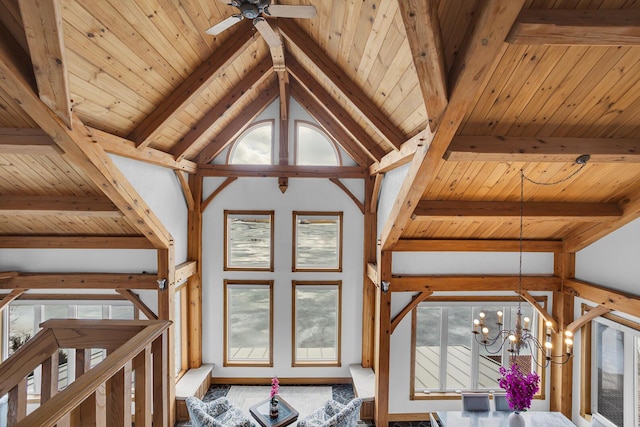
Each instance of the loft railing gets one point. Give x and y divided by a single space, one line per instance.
136 360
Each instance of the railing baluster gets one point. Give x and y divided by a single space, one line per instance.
142 368
160 386
49 381
17 406
119 397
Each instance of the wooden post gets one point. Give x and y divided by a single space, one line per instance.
368 287
194 283
166 310
561 375
383 341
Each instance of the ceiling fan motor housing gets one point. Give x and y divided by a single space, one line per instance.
251 9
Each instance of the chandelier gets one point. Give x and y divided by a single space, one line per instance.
522 336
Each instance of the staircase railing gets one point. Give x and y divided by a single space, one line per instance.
136 359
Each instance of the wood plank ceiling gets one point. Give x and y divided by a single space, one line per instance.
478 90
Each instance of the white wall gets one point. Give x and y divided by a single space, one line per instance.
388 192
613 262
264 194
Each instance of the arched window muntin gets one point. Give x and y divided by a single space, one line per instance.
263 131
302 124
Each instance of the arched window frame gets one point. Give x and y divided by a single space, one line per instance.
334 144
251 128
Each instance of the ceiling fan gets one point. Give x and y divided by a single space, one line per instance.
253 9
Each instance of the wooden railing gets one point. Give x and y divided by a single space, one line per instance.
102 396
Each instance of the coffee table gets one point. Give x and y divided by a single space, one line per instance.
286 414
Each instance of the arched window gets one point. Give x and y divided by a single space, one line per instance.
313 146
254 146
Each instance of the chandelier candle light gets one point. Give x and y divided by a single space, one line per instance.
521 335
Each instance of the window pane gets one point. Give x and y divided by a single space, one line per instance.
248 323
318 241
314 147
254 146
428 331
21 325
317 319
249 241
459 348
610 373
490 358
89 312
55 312
122 312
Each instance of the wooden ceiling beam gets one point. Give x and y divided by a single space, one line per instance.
542 149
475 62
153 125
472 283
446 210
331 112
607 297
38 142
123 147
42 22
58 205
586 234
275 171
80 150
476 245
380 121
591 27
404 155
326 121
82 281
422 26
28 141
75 242
252 80
238 124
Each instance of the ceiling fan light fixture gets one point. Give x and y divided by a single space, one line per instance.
249 10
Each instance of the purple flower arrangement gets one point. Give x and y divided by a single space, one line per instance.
275 387
520 388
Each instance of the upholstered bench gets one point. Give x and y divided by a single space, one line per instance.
364 386
195 382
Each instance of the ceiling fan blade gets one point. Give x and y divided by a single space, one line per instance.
268 34
224 24
291 11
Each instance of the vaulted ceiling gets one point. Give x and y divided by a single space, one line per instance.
466 92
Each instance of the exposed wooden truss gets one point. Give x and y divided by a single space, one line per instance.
276 171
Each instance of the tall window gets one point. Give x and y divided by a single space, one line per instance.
615 369
254 146
248 240
317 242
317 319
248 326
446 356
314 147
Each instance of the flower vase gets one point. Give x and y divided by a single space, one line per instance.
273 408
516 420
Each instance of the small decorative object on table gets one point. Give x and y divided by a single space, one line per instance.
275 388
520 390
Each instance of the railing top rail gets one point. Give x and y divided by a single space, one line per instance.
62 403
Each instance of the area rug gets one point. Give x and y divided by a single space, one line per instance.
305 399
